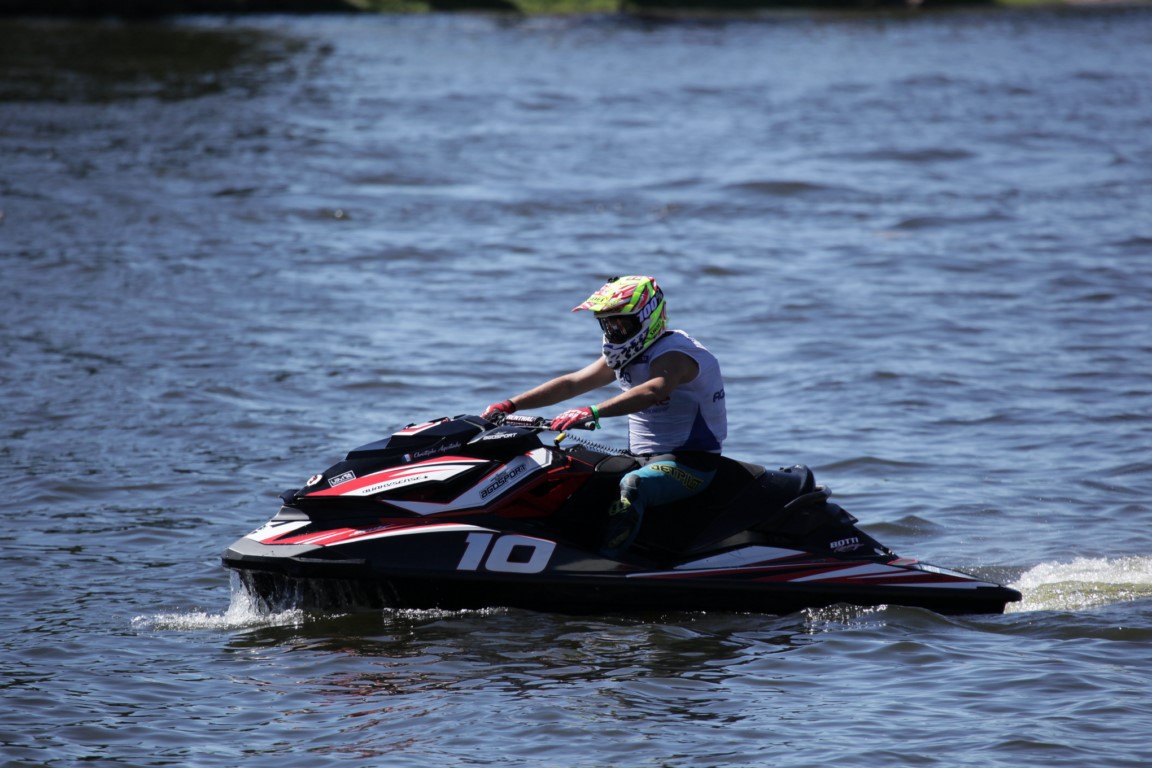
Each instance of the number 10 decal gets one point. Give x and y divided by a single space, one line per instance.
510 554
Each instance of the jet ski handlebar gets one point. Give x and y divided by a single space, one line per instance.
533 422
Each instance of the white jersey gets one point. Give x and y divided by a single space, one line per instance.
693 418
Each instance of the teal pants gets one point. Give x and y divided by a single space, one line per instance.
662 480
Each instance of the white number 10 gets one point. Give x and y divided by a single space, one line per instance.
500 557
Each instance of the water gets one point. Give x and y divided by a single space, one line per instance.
233 249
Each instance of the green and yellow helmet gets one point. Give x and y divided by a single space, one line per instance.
632 314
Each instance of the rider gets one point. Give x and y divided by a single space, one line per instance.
673 395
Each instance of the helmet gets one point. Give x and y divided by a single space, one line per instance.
633 315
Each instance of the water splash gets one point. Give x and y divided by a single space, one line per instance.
420 615
245 611
1084 583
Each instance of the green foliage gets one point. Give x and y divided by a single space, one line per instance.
568 6
532 7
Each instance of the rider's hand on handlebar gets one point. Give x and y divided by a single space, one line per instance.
583 418
505 407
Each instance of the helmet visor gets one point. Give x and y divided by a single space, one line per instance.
619 328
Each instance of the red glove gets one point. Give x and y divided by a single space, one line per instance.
505 407
577 417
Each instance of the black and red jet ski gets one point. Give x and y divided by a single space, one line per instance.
466 513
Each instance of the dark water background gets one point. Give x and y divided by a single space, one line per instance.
233 249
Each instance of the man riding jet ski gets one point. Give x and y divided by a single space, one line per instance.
502 510
672 393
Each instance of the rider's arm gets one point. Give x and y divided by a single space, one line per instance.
668 372
562 388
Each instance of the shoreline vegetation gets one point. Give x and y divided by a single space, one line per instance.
154 8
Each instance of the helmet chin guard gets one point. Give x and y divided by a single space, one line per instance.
643 318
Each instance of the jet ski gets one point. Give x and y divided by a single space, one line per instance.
466 513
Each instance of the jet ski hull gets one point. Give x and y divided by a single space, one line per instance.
748 579
603 595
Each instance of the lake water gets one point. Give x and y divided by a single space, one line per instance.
233 249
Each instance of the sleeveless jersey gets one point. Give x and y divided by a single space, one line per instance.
693 418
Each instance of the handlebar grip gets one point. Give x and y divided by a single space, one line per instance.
538 422
588 424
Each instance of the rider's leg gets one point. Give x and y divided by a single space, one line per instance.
662 480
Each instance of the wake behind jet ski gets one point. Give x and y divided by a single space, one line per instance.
463 512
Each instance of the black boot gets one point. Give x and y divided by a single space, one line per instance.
624 519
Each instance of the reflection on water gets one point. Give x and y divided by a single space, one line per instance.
496 638
92 61
660 671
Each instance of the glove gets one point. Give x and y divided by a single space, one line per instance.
576 417
505 407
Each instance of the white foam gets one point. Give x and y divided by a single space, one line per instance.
244 611
432 614
1084 583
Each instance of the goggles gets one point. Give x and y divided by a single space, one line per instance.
619 328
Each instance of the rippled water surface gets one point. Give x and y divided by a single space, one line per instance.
233 249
